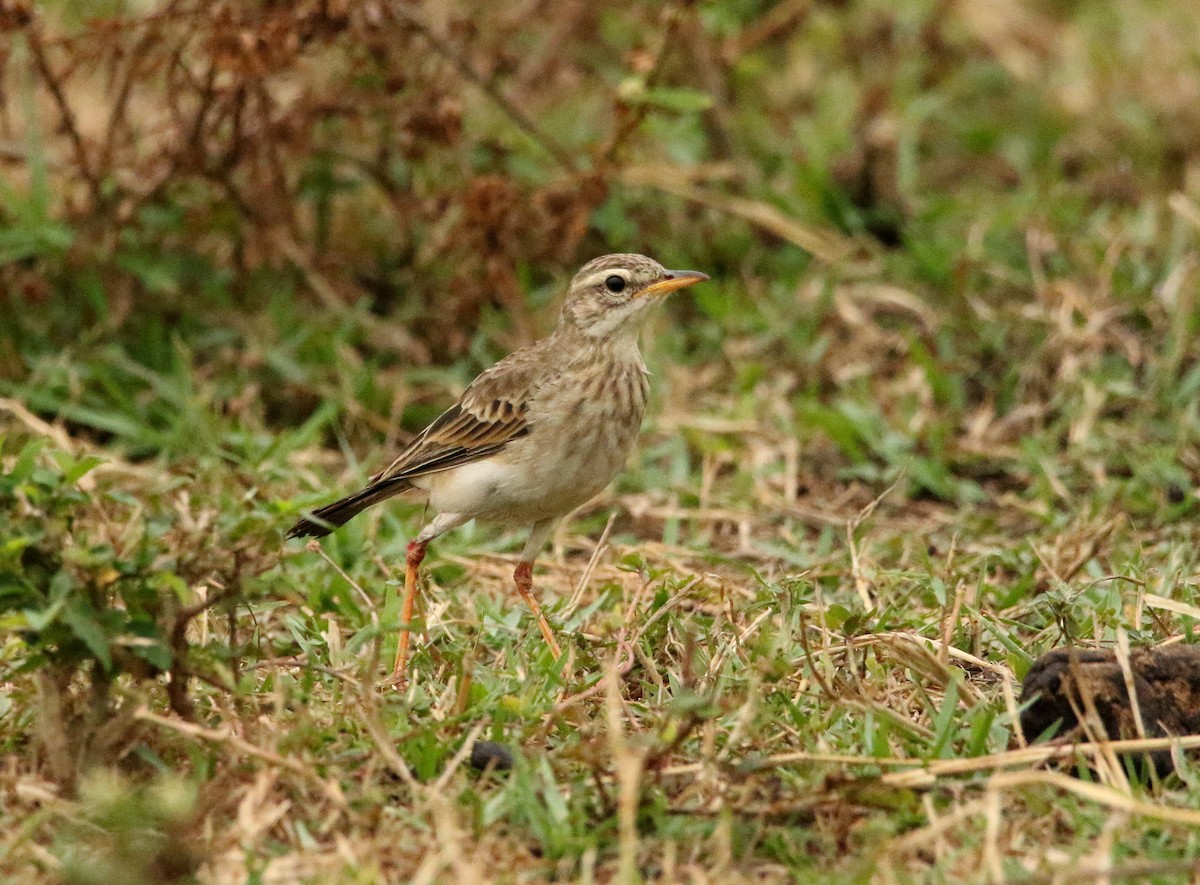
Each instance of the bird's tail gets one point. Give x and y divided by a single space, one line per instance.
329 517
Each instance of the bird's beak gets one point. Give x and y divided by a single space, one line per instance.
674 279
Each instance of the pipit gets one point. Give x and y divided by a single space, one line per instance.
534 436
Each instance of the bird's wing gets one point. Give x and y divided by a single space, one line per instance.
489 415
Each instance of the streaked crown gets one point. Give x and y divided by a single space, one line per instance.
610 295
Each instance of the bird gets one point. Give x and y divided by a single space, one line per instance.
534 436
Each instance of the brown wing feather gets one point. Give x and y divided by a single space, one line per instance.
489 415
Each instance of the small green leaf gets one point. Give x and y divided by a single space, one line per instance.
84 625
81 468
690 704
157 654
17 544
26 461
169 582
120 497
45 238
38 620
837 615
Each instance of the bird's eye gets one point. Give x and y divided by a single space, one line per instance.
615 283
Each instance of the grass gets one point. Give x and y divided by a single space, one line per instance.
935 414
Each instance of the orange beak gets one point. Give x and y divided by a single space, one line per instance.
674 279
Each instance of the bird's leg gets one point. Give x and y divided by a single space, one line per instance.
443 522
523 577
412 563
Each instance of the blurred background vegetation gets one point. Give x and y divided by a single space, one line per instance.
244 245
191 187
942 230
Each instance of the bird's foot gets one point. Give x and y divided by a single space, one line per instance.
523 577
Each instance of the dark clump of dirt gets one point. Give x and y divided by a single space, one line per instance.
1067 684
489 755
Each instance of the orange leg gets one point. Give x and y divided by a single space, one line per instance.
524 579
412 562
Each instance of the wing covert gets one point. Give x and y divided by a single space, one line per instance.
489 415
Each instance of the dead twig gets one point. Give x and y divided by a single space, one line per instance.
518 116
53 81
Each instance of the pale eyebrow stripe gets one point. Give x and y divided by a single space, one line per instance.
602 275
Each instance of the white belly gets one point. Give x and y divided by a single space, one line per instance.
528 482
580 438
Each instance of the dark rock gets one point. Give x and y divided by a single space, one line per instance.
1165 680
489 754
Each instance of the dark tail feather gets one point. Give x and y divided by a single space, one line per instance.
338 513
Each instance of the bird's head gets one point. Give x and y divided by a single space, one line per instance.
611 296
